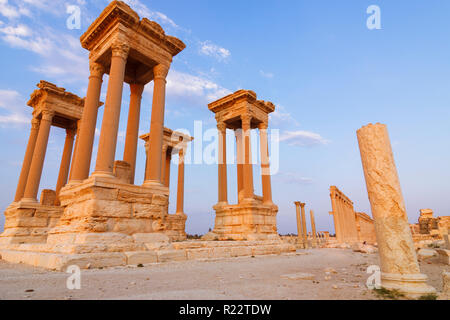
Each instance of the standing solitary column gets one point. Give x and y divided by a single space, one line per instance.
37 163
223 184
157 124
81 162
265 165
131 142
313 228
305 239
399 266
180 187
110 124
248 167
65 162
27 160
299 221
240 163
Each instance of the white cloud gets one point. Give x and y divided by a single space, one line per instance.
302 138
183 85
8 11
267 75
282 117
293 178
210 49
12 102
20 31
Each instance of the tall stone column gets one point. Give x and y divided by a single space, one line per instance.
110 124
167 170
65 162
81 162
77 140
313 227
299 222
27 160
157 125
304 231
248 166
163 163
37 163
132 135
399 266
180 186
265 165
223 184
239 163
337 223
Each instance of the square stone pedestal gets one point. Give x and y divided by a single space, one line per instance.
29 222
245 221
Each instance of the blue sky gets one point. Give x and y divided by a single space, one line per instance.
317 61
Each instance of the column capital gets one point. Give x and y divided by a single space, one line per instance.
47 115
120 49
263 126
164 147
246 121
35 123
96 69
302 205
221 126
160 71
70 132
137 89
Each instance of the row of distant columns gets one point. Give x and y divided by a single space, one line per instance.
33 163
301 224
244 162
110 123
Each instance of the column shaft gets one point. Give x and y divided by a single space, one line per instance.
248 166
81 162
111 115
299 221
240 164
27 160
313 227
132 135
304 229
180 186
157 124
37 163
265 166
399 266
163 164
65 162
167 170
223 185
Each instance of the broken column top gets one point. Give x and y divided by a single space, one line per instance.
149 45
426 213
67 107
230 108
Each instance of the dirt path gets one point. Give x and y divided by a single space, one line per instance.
237 278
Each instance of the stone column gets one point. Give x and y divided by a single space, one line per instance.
265 165
305 240
65 162
299 221
110 124
163 163
399 266
37 163
167 170
223 184
81 162
157 125
239 163
132 135
337 226
77 139
27 160
313 228
180 186
248 166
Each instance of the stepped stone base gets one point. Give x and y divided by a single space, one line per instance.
138 249
245 221
29 222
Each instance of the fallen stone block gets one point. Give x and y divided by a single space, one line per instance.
171 255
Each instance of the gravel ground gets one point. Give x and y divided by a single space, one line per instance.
256 278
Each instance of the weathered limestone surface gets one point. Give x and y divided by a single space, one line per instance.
399 266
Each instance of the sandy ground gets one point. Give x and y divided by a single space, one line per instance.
237 278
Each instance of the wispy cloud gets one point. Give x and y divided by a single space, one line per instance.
293 178
267 75
13 108
281 117
302 138
210 49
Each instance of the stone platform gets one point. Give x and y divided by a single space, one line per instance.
140 249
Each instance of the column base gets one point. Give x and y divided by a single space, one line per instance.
153 183
412 285
28 200
105 174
